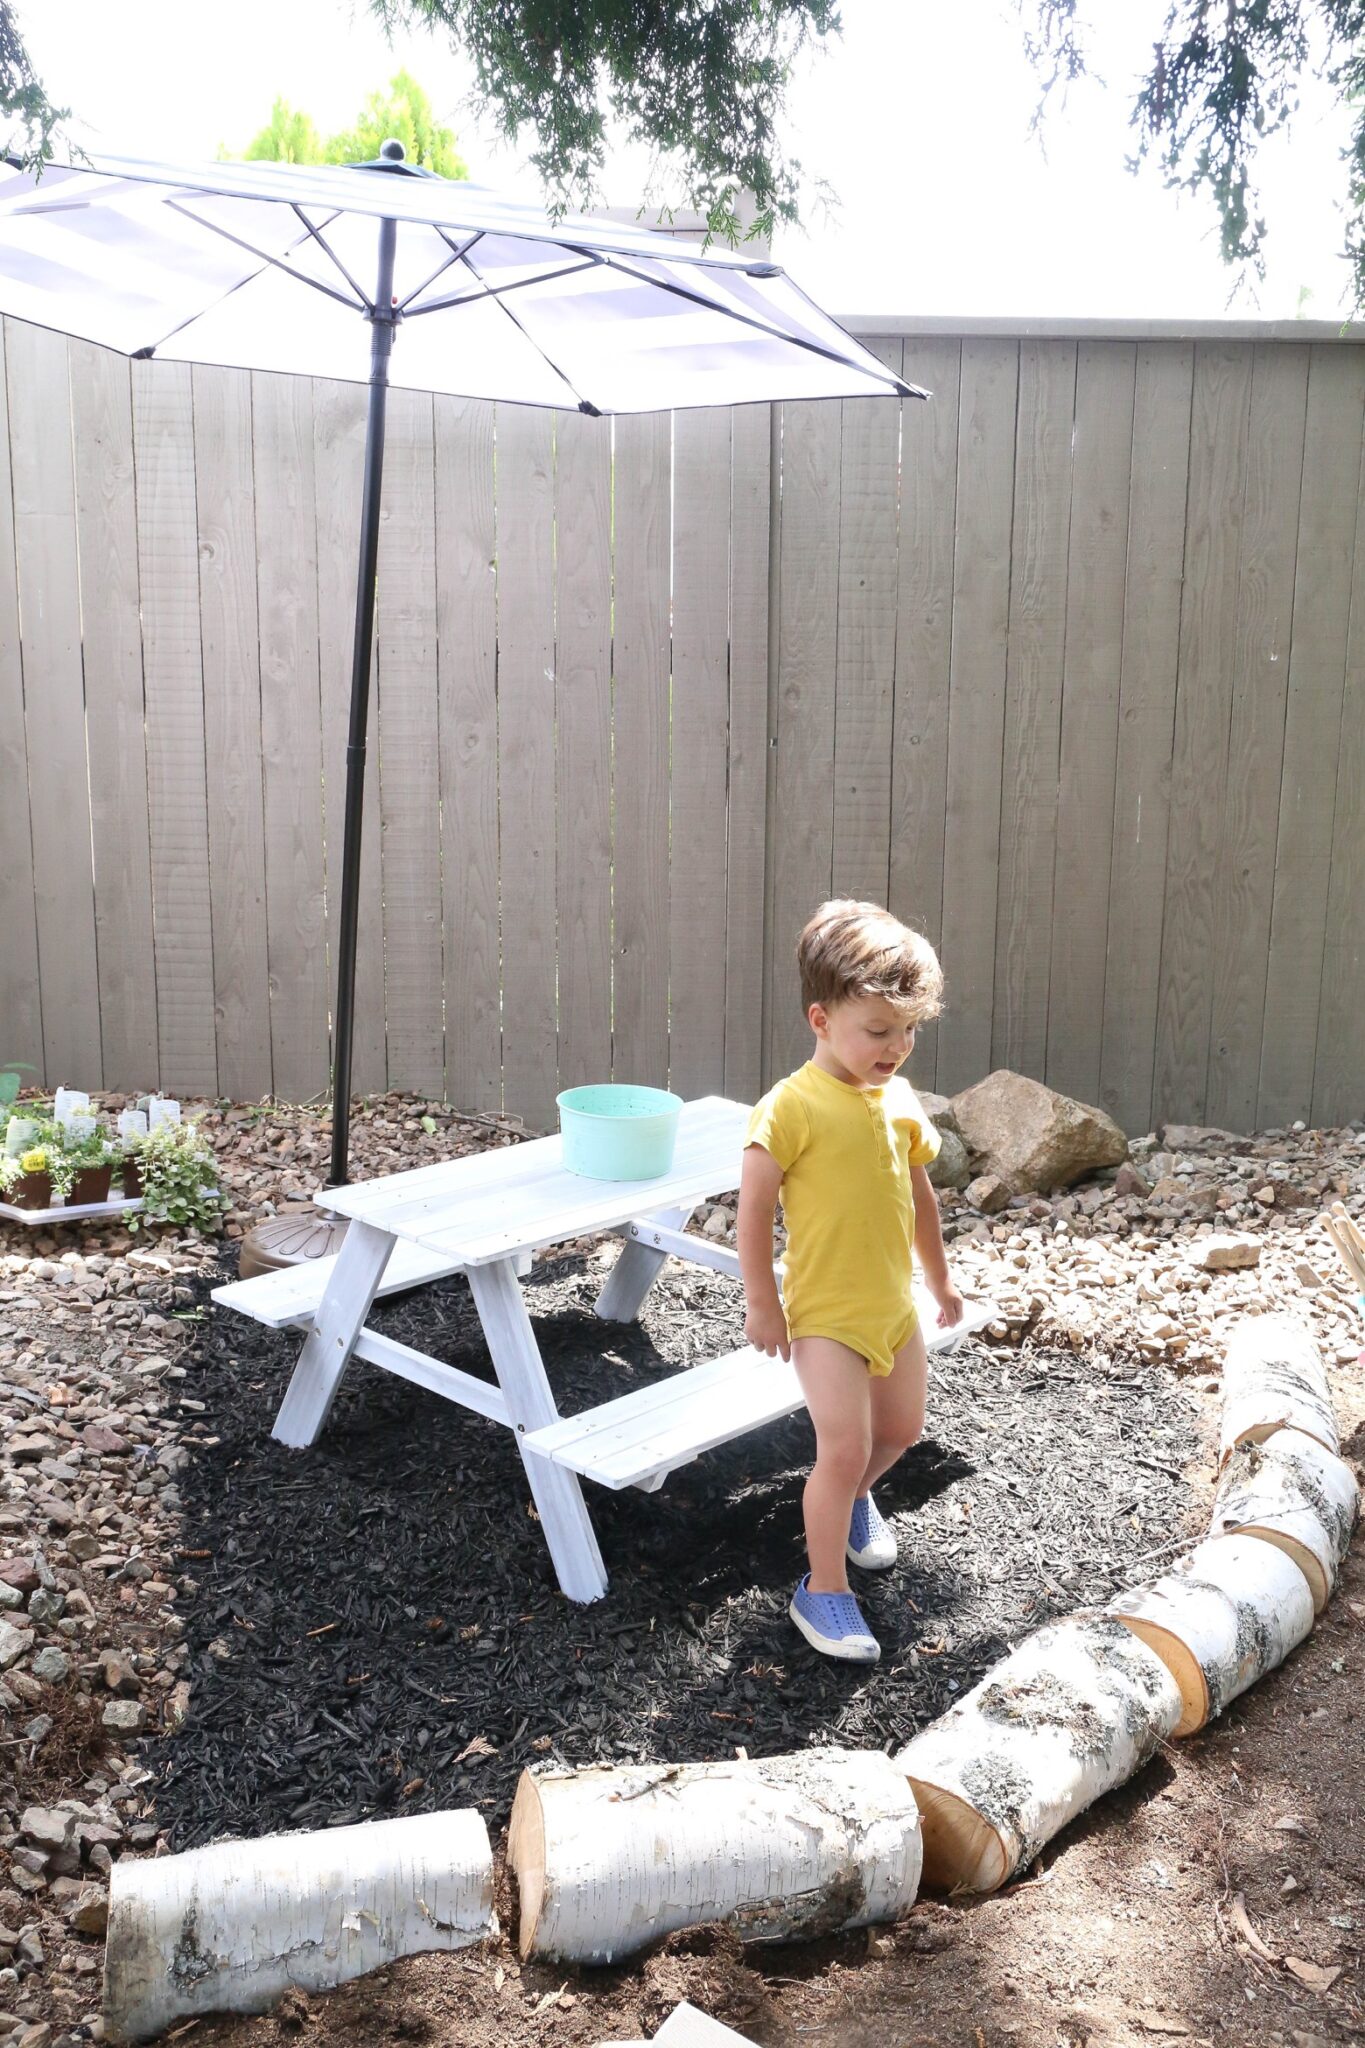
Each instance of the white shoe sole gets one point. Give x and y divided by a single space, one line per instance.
847 1650
876 1558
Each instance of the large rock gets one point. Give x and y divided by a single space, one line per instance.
952 1168
1030 1137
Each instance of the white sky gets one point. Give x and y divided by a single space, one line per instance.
918 118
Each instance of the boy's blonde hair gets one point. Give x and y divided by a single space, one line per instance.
858 949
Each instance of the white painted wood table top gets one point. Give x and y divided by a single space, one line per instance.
491 1205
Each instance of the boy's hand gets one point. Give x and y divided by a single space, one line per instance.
950 1303
766 1330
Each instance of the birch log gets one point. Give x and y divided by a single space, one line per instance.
609 1860
231 1927
1075 1710
1273 1378
1225 1616
1291 1492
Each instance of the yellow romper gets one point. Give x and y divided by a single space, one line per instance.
846 1155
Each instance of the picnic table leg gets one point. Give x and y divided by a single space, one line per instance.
521 1375
327 1349
635 1272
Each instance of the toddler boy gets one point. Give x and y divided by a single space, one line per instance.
845 1144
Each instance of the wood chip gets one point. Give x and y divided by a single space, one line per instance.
1240 1923
1316 1976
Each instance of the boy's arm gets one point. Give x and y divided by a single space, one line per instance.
929 1248
765 1325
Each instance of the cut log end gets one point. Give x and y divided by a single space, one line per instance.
960 1848
526 1859
1183 1666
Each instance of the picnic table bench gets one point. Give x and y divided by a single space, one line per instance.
483 1216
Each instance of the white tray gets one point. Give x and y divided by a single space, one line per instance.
60 1213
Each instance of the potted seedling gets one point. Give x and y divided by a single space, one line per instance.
33 1179
93 1158
179 1179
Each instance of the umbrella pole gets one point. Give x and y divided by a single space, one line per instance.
382 324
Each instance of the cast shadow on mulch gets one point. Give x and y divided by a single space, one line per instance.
375 1626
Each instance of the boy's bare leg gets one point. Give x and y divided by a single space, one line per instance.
834 1381
897 1403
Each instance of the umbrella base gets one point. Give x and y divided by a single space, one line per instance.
290 1239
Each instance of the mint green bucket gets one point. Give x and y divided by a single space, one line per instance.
616 1132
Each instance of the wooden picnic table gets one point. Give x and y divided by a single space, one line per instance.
484 1215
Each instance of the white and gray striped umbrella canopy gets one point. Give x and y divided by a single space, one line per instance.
266 266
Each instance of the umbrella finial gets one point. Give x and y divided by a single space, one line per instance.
393 150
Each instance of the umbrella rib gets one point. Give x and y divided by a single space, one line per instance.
493 291
454 257
330 252
897 385
251 250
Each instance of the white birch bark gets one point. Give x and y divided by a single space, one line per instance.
1226 1615
1273 1378
1291 1492
231 1927
1075 1710
608 1860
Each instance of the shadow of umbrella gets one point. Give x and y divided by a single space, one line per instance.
385 273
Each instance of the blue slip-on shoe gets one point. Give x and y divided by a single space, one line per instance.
833 1624
871 1541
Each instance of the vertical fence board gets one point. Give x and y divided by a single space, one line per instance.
526 696
1246 867
409 753
1338 1085
865 652
1033 703
58 774
231 644
701 630
338 469
1208 633
641 541
111 630
467 630
1312 735
976 702
20 995
808 612
163 441
291 736
745 871
1101 481
924 637
583 745
1147 691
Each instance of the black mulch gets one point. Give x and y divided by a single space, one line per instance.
375 1626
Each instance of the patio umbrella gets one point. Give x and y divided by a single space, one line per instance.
322 270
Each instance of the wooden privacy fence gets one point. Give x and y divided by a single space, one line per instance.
1066 665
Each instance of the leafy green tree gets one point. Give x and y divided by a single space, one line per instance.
288 138
1223 78
702 83
23 103
405 112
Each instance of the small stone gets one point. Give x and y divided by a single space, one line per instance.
47 1827
52 1666
38 1729
90 1914
1264 1195
987 1193
124 1717
1128 1181
82 1545
39 2036
20 1573
1307 1276
10 1598
117 1673
44 1606
1225 1254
